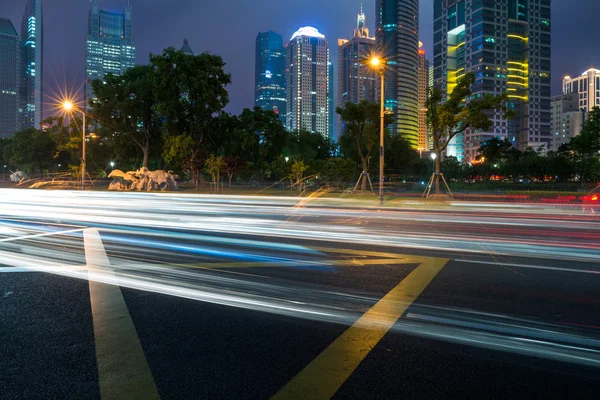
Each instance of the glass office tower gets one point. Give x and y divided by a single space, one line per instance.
110 47
9 85
307 82
269 75
32 62
397 41
507 46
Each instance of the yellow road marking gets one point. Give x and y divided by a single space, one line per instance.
325 374
123 372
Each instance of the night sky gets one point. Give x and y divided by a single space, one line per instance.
229 27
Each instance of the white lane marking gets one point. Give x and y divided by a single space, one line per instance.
123 372
583 271
40 235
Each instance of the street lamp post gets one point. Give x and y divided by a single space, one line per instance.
68 106
378 65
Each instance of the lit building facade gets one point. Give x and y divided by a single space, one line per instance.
423 90
356 80
31 65
9 83
307 82
567 119
331 102
586 87
506 44
397 41
269 78
110 48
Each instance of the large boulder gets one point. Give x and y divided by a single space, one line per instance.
143 179
17 176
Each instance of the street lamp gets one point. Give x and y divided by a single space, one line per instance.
112 164
378 64
69 106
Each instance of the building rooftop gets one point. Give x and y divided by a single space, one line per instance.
308 31
7 28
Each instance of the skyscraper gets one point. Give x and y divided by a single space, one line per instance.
32 62
356 81
269 78
110 48
331 102
397 40
9 86
507 46
307 82
423 89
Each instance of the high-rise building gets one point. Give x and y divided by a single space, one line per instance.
32 65
567 118
331 102
397 41
307 82
423 90
269 78
9 84
356 80
586 87
506 44
110 48
186 48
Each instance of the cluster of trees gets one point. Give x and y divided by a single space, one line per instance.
578 160
170 114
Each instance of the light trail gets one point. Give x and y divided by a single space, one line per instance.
146 234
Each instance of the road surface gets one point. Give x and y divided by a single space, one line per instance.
129 295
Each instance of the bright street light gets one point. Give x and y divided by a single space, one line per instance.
112 164
433 156
68 106
378 64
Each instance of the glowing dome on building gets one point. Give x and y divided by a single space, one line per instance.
308 31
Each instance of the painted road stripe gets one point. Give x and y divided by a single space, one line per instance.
581 271
326 373
123 372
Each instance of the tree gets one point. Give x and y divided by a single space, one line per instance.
127 108
31 150
495 150
362 124
233 165
308 146
214 167
191 95
457 114
588 141
400 157
453 168
298 169
262 138
339 170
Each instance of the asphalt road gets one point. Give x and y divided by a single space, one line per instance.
142 296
